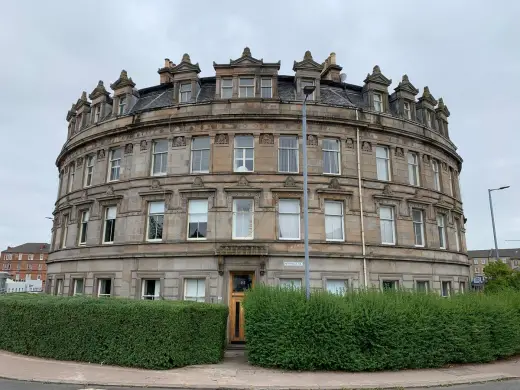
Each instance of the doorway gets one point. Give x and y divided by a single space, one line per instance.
239 282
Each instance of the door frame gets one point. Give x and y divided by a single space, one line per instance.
237 297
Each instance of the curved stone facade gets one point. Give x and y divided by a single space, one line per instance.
168 190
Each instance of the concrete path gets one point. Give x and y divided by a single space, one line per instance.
236 373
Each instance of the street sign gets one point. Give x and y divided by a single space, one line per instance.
293 263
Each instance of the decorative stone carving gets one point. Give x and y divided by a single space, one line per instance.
266 139
349 143
243 182
110 191
444 166
312 140
289 182
101 154
66 170
334 184
426 159
197 182
144 145
179 141
84 195
129 148
387 190
399 152
155 185
79 162
242 250
222 139
367 146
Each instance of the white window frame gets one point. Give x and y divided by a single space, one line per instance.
41 256
308 83
83 227
121 105
336 291
436 175
378 102
280 201
288 151
97 113
418 224
329 217
386 161
407 108
441 228
413 169
483 261
247 88
266 84
226 87
201 151
100 284
59 286
65 231
295 283
241 151
157 289
75 286
391 221
40 267
201 282
426 284
475 261
20 256
89 170
105 223
185 95
162 155
457 234
447 293
30 257
190 215
72 174
237 215
114 164
334 153
153 215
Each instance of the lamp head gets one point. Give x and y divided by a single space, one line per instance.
308 89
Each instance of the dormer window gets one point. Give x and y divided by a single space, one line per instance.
308 83
97 113
378 102
185 92
246 87
122 105
407 110
227 88
267 88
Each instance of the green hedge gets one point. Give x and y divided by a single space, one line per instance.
371 331
124 332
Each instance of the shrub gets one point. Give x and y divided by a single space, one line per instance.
369 331
124 332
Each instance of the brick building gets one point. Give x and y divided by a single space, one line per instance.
26 261
478 259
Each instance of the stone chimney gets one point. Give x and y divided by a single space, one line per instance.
331 70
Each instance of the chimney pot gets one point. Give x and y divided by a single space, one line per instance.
333 58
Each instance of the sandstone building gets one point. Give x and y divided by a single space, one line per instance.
192 189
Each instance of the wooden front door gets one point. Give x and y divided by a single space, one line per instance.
239 282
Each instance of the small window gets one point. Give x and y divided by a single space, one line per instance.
227 88
185 92
483 261
150 289
243 219
30 257
72 174
114 165
383 163
407 110
197 219
389 285
246 87
39 277
104 287
29 267
413 169
441 227
200 155
288 154
291 283
40 267
83 227
436 175
267 88
155 221
97 113
308 83
195 290
386 218
334 229
122 105
244 153
89 170
418 226
457 234
109 227
20 256
18 267
445 288
378 102
338 287
475 261
77 286
159 157
41 256
331 156
289 219
422 286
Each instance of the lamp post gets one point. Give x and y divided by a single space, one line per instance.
308 90
493 217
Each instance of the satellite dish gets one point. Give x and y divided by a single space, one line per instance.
343 77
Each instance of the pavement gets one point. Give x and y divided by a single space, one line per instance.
235 373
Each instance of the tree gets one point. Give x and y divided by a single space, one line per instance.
500 277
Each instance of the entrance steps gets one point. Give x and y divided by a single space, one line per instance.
237 351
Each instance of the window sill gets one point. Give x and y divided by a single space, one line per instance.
343 240
107 242
388 243
197 239
154 240
112 181
159 174
289 173
242 238
198 172
331 174
289 239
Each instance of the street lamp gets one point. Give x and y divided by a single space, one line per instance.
493 217
307 90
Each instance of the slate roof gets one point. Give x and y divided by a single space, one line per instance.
512 253
336 94
30 247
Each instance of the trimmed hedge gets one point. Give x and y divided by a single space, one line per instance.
369 331
123 332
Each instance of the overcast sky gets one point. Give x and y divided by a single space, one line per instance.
467 52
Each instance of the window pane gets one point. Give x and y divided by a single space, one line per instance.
156 207
334 208
227 82
246 81
288 142
289 206
337 286
417 215
200 143
385 213
198 206
244 141
111 213
291 283
161 146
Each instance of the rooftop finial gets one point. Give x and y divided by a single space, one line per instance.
84 96
426 92
441 103
100 83
405 78
186 58
124 75
376 69
308 55
246 52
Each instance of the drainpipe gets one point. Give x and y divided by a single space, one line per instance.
361 216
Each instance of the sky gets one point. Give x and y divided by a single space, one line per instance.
467 52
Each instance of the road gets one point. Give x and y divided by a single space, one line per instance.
15 385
